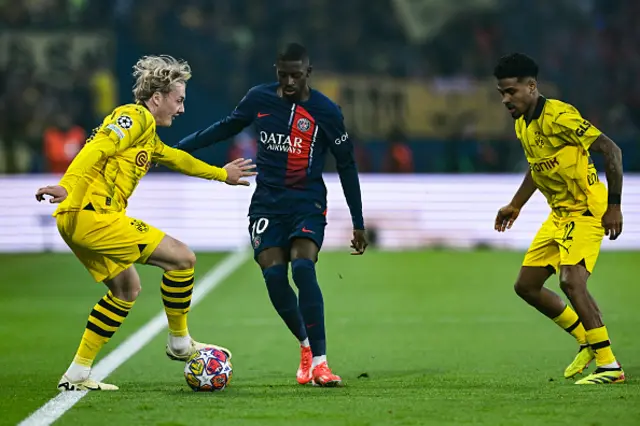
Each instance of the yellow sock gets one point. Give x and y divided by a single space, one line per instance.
598 339
105 318
570 322
176 288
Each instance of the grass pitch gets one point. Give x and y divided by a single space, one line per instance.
431 337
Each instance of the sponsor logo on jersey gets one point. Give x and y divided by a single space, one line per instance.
544 166
341 139
142 159
281 143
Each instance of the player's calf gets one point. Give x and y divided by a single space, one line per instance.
178 262
284 299
573 281
105 319
311 303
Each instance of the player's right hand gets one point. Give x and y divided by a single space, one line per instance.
359 242
238 169
57 193
505 217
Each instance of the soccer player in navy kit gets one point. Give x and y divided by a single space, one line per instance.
287 216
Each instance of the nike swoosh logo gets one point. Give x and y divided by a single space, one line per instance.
307 231
261 115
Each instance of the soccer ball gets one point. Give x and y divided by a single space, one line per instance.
208 370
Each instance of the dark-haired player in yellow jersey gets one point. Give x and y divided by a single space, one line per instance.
557 142
91 218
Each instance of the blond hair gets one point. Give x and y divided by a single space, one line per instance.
158 74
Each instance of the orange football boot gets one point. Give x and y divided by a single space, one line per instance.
304 374
322 376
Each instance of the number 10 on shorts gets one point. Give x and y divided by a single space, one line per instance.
258 227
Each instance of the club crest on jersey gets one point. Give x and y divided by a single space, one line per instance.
303 124
539 140
256 242
139 226
125 122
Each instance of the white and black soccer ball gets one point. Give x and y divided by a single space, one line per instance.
208 370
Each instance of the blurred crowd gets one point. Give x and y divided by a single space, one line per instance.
590 49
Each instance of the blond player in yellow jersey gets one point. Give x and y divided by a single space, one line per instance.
557 142
91 217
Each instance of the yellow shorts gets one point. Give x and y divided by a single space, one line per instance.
566 241
107 243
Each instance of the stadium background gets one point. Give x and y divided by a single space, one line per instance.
435 146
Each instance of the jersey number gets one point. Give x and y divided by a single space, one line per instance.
568 231
259 226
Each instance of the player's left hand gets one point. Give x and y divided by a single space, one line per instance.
612 222
58 193
359 243
238 169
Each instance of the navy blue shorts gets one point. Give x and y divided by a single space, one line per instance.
278 231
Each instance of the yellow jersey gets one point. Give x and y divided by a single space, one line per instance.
556 143
116 156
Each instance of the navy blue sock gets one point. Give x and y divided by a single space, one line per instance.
284 299
311 303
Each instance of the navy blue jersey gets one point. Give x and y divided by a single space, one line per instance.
293 140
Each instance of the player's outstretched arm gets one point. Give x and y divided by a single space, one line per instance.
612 219
342 149
509 213
180 161
224 129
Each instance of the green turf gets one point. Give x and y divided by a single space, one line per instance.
439 335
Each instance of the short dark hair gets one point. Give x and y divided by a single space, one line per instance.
293 52
516 65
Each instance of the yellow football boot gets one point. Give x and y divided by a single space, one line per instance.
580 362
603 376
66 385
193 348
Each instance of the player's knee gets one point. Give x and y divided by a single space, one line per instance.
126 288
304 248
301 268
275 275
277 281
571 285
134 291
126 285
524 290
185 259
189 260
